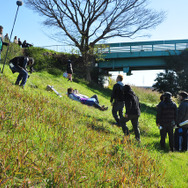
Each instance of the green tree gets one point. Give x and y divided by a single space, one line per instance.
167 82
83 23
176 76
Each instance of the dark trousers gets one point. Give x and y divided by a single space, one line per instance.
185 139
134 121
163 132
22 77
117 108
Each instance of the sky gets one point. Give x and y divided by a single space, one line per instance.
29 27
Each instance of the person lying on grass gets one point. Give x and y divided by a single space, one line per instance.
92 101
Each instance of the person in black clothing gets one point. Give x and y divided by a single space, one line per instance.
25 44
19 42
183 116
19 64
117 99
69 70
132 113
166 119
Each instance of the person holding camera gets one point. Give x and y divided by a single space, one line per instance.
19 64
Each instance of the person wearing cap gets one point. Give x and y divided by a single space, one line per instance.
161 100
1 40
69 70
183 116
19 64
166 119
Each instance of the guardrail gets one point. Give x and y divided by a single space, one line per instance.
144 46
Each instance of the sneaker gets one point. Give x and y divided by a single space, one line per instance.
103 108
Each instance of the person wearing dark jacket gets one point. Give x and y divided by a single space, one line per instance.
132 113
69 70
117 99
182 117
166 119
19 64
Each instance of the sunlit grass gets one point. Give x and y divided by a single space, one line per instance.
48 141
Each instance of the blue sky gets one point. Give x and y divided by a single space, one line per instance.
29 27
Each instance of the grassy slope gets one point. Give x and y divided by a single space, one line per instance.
47 140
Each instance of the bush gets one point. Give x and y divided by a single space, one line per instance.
14 50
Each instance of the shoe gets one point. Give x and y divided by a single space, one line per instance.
103 108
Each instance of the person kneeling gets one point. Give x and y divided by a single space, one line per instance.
19 64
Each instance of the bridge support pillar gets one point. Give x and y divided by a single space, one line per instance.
127 71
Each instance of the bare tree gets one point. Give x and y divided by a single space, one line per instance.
86 22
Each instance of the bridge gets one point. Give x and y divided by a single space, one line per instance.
130 56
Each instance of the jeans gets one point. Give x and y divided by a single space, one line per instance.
96 102
23 75
117 108
95 97
134 121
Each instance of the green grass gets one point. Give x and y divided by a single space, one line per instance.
48 141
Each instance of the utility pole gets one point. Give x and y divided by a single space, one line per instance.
19 3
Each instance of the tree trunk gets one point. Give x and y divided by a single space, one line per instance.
88 74
88 65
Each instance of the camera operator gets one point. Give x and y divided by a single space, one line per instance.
19 64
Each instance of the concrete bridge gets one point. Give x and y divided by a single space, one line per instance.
139 55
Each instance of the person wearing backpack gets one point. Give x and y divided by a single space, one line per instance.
132 113
117 99
166 119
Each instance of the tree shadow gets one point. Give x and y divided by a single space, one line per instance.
100 128
155 145
150 134
148 109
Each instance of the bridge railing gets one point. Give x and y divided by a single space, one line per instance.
144 46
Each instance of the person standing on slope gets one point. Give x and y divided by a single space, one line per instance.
166 119
182 117
117 99
1 40
132 113
69 70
